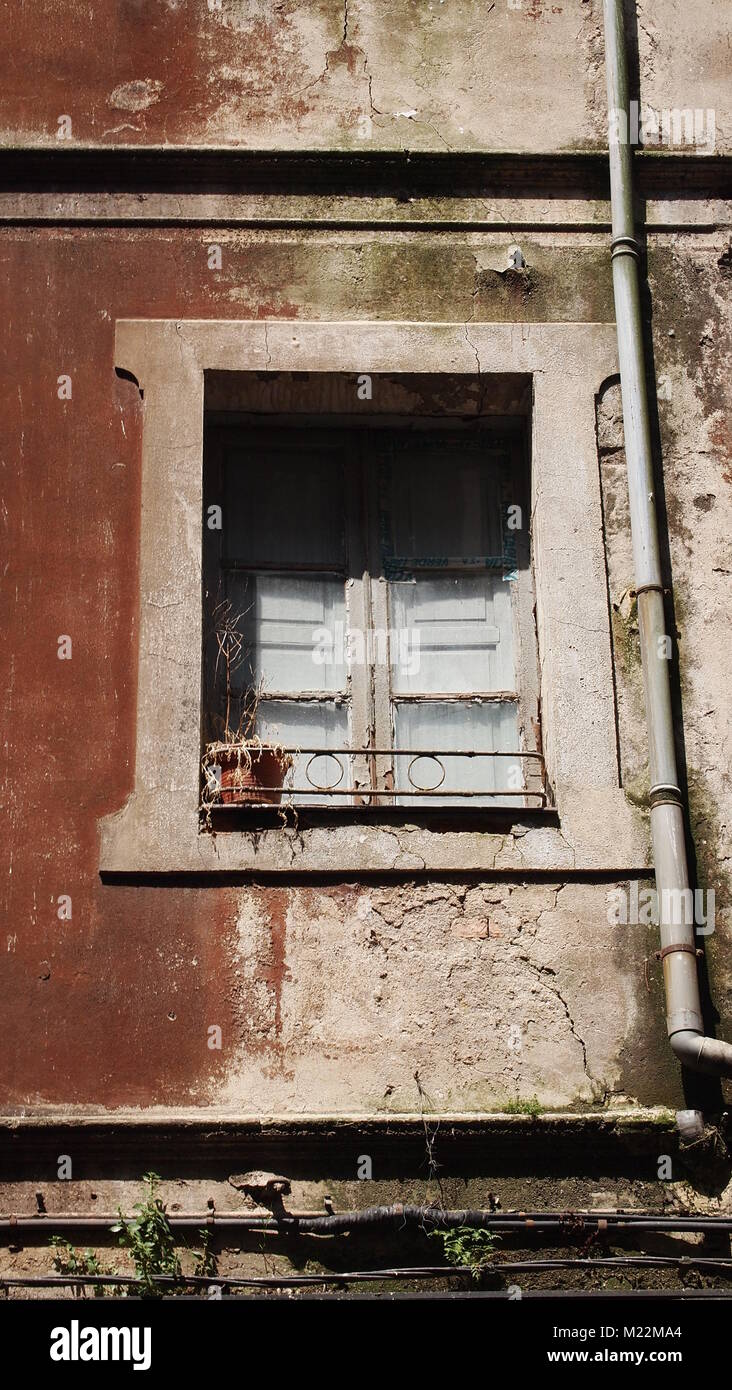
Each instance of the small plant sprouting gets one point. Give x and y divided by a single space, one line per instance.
68 1260
468 1247
529 1106
206 1266
150 1241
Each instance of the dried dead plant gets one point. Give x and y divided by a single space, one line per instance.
239 720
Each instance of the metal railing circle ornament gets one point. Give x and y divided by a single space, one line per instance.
427 758
325 786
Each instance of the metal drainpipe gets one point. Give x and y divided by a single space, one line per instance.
678 953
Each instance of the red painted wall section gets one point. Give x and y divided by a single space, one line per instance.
113 1006
167 71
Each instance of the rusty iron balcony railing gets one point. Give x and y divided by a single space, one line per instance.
533 793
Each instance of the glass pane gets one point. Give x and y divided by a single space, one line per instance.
438 506
451 634
478 726
293 627
313 724
284 505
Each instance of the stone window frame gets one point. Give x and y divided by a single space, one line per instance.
158 831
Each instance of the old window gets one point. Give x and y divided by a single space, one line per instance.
380 581
207 385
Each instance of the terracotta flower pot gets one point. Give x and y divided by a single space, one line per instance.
251 775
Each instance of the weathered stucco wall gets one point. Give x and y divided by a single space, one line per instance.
420 74
369 994
692 338
330 998
475 993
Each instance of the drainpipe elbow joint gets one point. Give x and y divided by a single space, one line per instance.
701 1053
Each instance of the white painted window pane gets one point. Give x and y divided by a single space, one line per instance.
290 622
451 634
478 726
284 506
316 724
439 506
